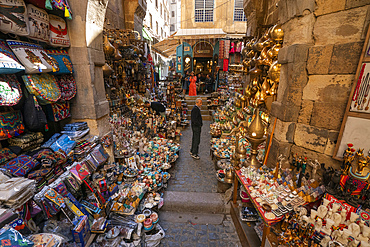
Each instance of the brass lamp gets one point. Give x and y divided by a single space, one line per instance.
255 136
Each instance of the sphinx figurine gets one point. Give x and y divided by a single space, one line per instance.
362 161
334 183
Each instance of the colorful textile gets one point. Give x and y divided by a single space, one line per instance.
59 111
38 23
67 86
58 32
360 184
9 63
21 165
225 65
61 5
32 56
62 60
45 154
10 124
43 86
13 17
6 154
10 90
39 173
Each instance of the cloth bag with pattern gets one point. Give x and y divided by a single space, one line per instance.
58 32
67 86
63 60
21 165
11 124
10 90
13 17
43 86
38 23
9 63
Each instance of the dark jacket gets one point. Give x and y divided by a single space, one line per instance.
157 107
196 117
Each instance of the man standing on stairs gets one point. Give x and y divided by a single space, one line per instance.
196 126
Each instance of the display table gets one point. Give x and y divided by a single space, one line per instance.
238 178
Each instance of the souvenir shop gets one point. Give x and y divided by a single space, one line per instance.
300 201
58 185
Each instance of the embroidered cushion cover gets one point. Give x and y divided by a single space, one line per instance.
9 63
32 56
11 124
67 86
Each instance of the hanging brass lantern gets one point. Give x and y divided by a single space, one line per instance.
107 70
256 128
266 86
273 89
250 54
277 33
117 55
267 61
244 52
274 71
274 51
255 71
108 47
263 54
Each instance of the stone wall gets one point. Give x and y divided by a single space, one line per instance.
322 45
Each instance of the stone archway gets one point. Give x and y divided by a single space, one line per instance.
87 55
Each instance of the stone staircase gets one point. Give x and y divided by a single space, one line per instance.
190 101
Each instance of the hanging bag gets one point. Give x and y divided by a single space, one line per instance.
67 86
9 63
10 90
38 23
61 5
13 17
34 116
11 124
43 86
58 32
62 59
58 111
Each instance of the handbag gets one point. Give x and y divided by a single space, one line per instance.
67 86
58 111
11 124
61 5
63 60
58 32
38 23
34 116
21 165
32 56
43 86
9 63
10 90
14 14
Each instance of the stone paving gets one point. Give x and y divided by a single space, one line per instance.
191 175
200 235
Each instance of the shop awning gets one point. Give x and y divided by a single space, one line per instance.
146 35
200 33
167 47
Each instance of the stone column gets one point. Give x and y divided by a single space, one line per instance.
86 51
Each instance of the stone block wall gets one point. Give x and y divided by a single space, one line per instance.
322 46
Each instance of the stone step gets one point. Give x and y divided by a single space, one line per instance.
194 202
190 107
205 116
203 97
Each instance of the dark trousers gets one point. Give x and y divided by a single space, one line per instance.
196 140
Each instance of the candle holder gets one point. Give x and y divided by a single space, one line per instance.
254 150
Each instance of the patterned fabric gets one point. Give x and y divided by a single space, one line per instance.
10 90
13 17
45 154
26 138
38 23
61 189
59 5
67 86
60 111
39 173
21 165
60 157
99 155
360 184
9 63
58 32
63 61
32 56
10 124
6 154
43 86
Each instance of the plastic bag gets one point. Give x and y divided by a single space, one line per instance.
155 239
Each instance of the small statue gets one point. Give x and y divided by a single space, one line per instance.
304 165
362 161
348 157
299 163
327 174
294 160
334 183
